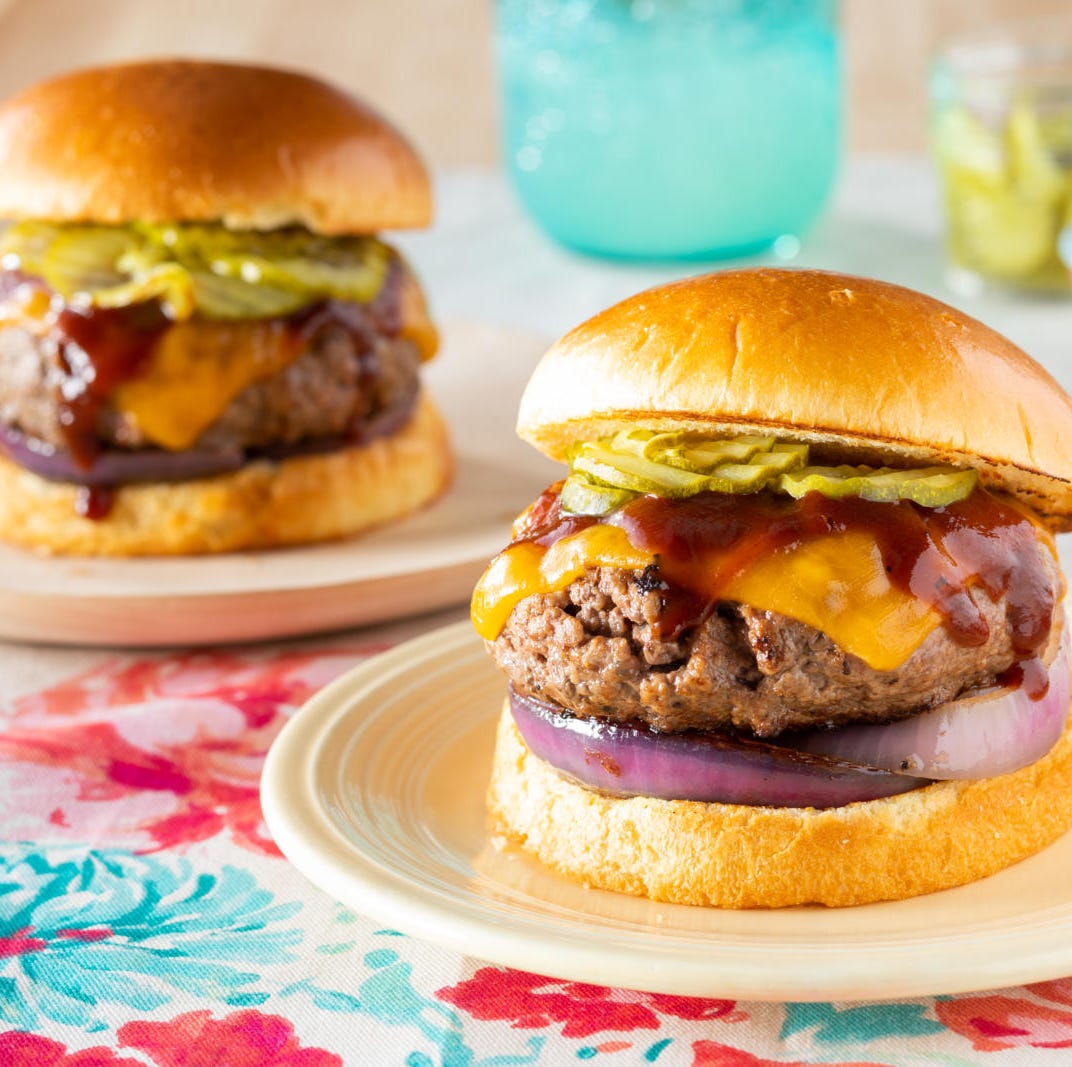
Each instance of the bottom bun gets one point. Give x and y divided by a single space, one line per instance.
730 856
266 503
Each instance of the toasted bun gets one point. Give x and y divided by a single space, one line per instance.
864 370
184 140
265 504
729 856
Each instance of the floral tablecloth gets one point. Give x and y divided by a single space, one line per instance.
146 917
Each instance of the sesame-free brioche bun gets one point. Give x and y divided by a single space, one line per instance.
189 140
863 370
730 856
264 504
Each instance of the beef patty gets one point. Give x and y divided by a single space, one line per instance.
592 648
340 379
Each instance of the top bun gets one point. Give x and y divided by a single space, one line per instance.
863 370
185 140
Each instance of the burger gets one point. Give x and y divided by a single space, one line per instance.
790 631
204 345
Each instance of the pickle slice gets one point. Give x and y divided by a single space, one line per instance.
83 258
182 292
1007 186
580 496
169 283
969 150
740 478
624 470
661 464
709 455
1003 233
306 276
1031 162
607 473
932 487
218 297
687 451
191 268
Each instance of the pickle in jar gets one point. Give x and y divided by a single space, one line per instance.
1008 191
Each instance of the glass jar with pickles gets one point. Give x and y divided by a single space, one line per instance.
1002 135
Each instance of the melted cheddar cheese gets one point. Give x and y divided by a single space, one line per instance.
836 583
198 367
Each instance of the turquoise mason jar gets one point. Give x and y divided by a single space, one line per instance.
655 129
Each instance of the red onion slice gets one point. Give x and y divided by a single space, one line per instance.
634 761
112 466
991 733
115 467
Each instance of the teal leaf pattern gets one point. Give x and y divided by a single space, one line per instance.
83 928
859 1024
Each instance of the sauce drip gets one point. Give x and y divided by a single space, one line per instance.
94 501
1031 673
96 350
939 555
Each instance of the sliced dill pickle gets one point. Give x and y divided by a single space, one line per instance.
635 442
71 259
621 462
782 457
660 444
936 487
638 475
22 242
706 456
929 486
355 282
691 453
83 259
1002 233
1006 185
220 273
607 473
739 478
1031 161
229 298
583 497
169 283
970 152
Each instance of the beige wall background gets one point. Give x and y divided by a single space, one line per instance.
428 63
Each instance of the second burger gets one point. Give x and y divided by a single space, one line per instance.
204 345
791 630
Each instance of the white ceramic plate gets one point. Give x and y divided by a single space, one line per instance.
375 791
420 564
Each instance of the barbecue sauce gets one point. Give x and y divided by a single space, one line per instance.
96 350
94 501
941 556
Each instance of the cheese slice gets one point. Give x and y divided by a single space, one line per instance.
836 583
417 325
526 569
199 366
196 369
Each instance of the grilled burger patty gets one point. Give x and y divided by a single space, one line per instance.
592 649
340 379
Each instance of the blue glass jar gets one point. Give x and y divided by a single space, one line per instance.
670 128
